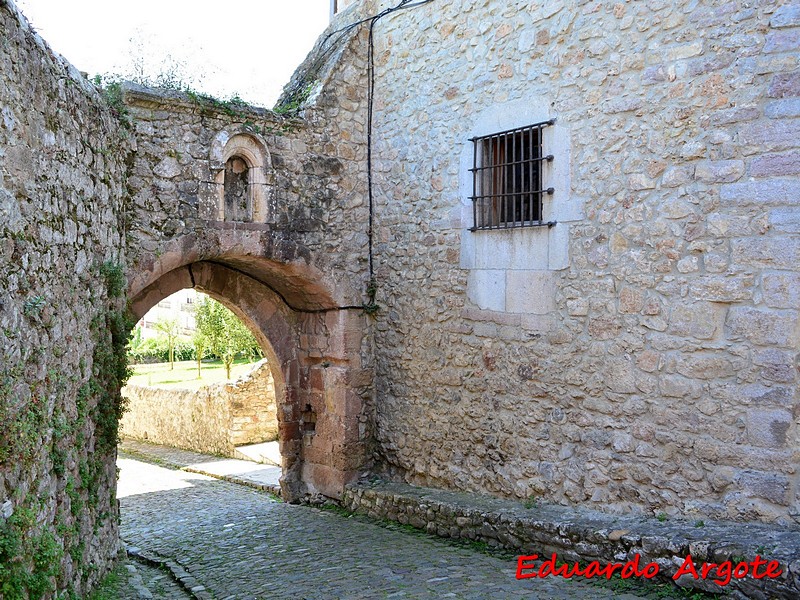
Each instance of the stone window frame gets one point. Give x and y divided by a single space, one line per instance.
252 149
512 274
507 176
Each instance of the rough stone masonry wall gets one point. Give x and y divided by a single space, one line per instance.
214 419
657 369
315 211
253 410
306 255
61 286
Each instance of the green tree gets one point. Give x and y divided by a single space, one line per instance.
224 334
200 342
172 331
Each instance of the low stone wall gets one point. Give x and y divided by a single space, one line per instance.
254 414
212 420
585 535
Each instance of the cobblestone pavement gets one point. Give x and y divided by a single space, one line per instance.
238 543
133 580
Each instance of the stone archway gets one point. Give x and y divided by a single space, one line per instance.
316 366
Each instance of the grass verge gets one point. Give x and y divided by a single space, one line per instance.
184 374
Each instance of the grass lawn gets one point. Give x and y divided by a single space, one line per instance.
184 375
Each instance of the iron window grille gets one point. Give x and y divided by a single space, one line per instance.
507 179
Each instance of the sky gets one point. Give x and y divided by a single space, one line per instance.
248 48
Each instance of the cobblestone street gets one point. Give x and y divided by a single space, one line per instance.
238 543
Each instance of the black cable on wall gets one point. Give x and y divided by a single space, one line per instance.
370 306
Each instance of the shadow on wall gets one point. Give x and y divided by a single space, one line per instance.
214 419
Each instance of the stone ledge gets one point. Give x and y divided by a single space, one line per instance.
154 98
584 535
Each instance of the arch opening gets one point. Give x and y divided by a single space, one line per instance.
321 387
200 382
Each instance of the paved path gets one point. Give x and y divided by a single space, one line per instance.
245 472
135 580
238 543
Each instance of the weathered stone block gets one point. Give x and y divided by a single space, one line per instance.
631 300
648 361
168 168
520 248
688 264
721 288
640 181
787 15
603 328
558 247
763 327
490 317
777 365
775 165
775 135
623 443
676 176
487 289
782 41
530 292
773 252
770 487
578 307
781 290
759 394
701 366
768 428
700 320
785 220
785 84
736 115
622 376
769 192
720 171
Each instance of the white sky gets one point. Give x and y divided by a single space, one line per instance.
246 47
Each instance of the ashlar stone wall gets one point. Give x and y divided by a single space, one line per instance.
640 355
62 333
213 419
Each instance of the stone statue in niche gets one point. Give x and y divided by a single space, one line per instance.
238 204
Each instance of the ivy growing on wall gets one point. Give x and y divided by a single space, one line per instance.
34 549
110 360
19 539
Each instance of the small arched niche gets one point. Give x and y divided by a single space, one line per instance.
238 203
241 165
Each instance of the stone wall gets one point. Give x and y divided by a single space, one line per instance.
62 334
292 262
584 535
640 355
253 410
214 419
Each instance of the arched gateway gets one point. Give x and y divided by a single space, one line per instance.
314 357
241 208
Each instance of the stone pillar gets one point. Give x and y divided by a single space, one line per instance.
333 445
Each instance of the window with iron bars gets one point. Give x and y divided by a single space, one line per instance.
507 179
